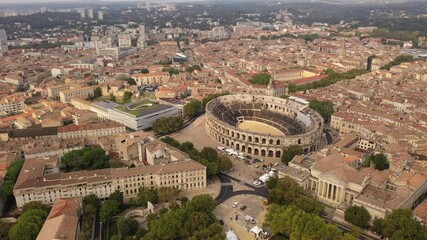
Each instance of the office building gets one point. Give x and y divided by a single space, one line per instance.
142 114
100 15
90 13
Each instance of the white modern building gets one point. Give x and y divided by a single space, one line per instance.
142 118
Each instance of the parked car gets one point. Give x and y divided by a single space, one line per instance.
236 204
243 207
257 183
222 149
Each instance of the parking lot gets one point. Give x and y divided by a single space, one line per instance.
255 208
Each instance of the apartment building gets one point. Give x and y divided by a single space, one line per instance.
151 78
99 129
12 103
53 91
80 92
34 185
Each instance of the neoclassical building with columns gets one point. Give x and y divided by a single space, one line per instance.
263 126
333 179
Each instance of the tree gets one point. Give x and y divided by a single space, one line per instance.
89 212
378 225
28 225
147 195
357 216
211 97
213 232
169 226
192 108
378 161
167 194
93 200
4 229
9 180
109 209
187 146
87 158
192 68
298 224
197 221
167 125
261 78
272 182
117 196
400 224
127 97
324 108
116 163
202 203
131 81
224 163
97 92
290 153
112 98
287 191
171 141
397 61
126 227
209 154
144 71
33 205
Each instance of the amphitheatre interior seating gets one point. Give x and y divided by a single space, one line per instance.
256 112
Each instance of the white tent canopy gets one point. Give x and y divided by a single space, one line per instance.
231 235
257 230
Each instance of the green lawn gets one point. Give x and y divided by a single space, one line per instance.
137 112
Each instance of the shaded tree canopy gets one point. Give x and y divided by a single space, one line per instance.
167 125
324 108
357 216
378 161
261 78
290 153
192 108
296 223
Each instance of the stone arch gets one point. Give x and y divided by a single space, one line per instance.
270 141
243 137
271 153
264 141
263 152
249 150
232 134
232 144
227 143
256 139
237 147
278 142
256 151
238 135
278 154
243 148
249 138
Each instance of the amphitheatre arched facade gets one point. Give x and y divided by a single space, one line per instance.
277 124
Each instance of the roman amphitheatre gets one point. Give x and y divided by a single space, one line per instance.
263 125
